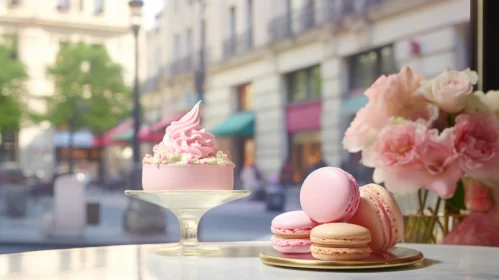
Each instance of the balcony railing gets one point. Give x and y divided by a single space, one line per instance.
192 62
312 15
238 45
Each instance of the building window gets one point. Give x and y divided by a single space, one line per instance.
304 84
11 42
13 3
305 153
366 67
245 98
203 34
232 22
176 46
98 6
250 23
188 41
63 5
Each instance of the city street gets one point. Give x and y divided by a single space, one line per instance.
240 220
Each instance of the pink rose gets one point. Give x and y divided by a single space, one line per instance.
390 96
395 157
476 230
408 156
419 110
451 89
478 198
367 122
475 139
491 99
440 163
390 93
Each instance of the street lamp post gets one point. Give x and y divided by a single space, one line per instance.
139 217
135 8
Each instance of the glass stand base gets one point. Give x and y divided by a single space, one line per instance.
188 207
179 250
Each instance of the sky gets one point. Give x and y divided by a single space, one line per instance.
150 9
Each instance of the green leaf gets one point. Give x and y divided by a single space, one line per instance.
456 202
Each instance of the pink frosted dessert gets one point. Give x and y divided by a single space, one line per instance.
188 158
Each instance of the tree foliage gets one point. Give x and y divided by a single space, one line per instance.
89 90
12 76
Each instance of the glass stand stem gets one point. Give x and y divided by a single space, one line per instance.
189 222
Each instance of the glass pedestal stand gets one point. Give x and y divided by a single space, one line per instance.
188 207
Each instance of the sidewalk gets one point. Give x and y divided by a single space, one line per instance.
28 229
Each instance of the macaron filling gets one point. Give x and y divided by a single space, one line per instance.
293 231
276 241
344 254
341 242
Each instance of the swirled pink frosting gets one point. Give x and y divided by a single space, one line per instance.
186 136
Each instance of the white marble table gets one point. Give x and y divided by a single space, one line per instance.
241 262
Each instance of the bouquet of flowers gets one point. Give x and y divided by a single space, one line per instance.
434 135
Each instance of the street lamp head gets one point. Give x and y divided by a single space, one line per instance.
135 9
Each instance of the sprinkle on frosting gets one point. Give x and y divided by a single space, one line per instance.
187 142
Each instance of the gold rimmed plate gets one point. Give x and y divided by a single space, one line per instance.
398 256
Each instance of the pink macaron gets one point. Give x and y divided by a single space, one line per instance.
380 214
292 232
329 194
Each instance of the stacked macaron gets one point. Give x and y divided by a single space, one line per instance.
330 194
292 232
381 215
330 197
340 242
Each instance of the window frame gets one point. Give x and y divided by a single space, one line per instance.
99 6
63 5
243 91
290 79
353 69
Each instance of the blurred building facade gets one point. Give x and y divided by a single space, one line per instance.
283 79
39 27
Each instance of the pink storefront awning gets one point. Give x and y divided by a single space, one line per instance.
107 139
304 116
146 134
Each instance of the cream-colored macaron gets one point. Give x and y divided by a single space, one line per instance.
340 242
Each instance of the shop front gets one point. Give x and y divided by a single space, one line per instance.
303 125
236 132
78 147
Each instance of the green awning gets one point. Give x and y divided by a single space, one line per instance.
238 124
126 135
353 104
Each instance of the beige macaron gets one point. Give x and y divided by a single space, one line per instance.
340 242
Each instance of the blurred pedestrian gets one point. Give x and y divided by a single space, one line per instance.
314 165
248 177
286 174
252 180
